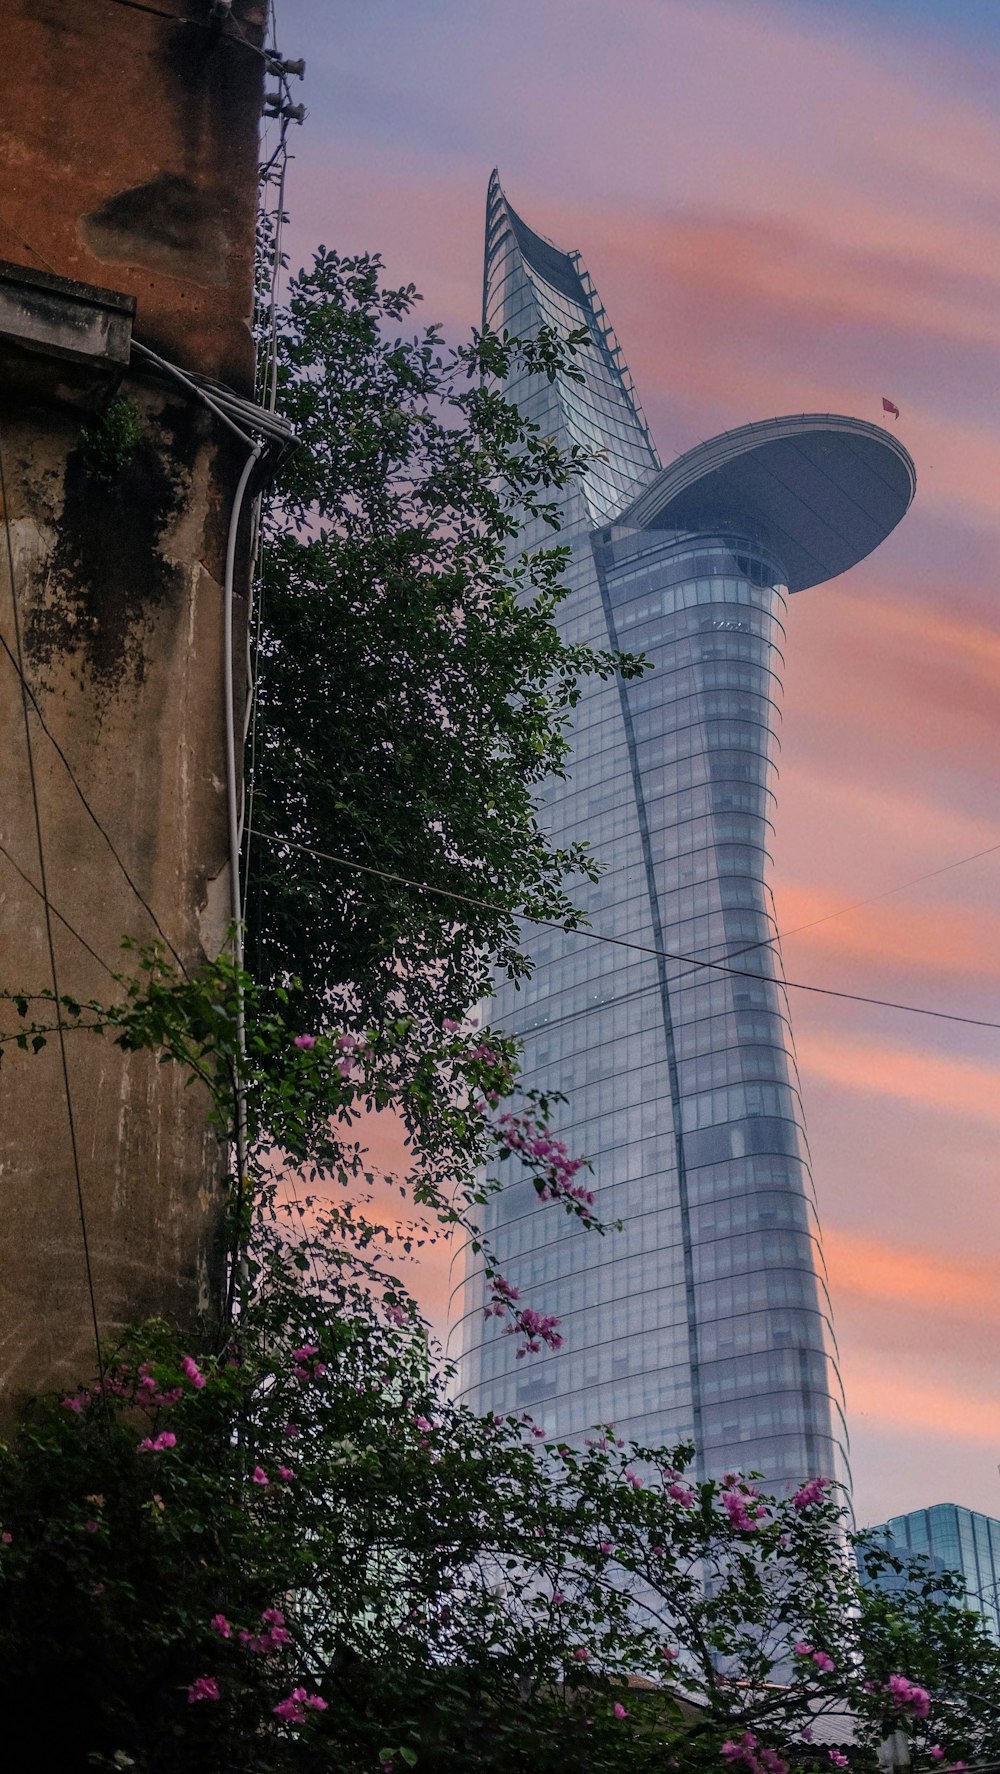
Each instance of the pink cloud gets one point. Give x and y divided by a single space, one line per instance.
894 1274
892 934
932 1080
939 1409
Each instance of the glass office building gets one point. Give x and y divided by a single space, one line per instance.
951 1539
707 1317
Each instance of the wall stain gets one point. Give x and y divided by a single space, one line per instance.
108 571
168 223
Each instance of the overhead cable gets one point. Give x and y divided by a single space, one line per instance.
82 940
622 942
856 905
105 834
50 942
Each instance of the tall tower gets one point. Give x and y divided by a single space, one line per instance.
707 1317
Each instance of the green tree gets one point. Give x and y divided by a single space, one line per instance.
296 1551
292 1550
413 690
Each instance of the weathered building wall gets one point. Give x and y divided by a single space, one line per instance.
129 141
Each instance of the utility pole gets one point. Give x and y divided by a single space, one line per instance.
127 219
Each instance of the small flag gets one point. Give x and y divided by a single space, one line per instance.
889 406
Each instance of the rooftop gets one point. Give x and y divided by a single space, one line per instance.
821 489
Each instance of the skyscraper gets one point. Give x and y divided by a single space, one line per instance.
950 1538
707 1316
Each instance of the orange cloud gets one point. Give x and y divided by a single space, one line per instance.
929 1080
940 939
894 620
780 270
873 1269
892 671
914 1401
936 831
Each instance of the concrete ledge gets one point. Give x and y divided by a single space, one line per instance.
61 340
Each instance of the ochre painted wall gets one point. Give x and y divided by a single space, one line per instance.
129 142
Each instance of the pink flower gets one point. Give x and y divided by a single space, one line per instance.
304 1042
681 1493
259 1476
936 1753
621 1712
77 1402
165 1439
908 1696
823 1662
191 1370
449 1025
396 1315
174 1396
811 1493
735 1503
802 1649
90 1527
633 1478
558 1599
293 1709
290 1710
204 1687
307 1350
423 1425
285 1474
667 1655
607 1547
838 1760
581 1655
6 1539
221 1625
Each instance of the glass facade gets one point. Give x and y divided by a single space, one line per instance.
707 1316
952 1539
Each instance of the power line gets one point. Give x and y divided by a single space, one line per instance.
82 940
176 18
200 24
621 942
12 231
269 382
60 1028
46 729
856 905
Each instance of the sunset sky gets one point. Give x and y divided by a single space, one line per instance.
786 207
